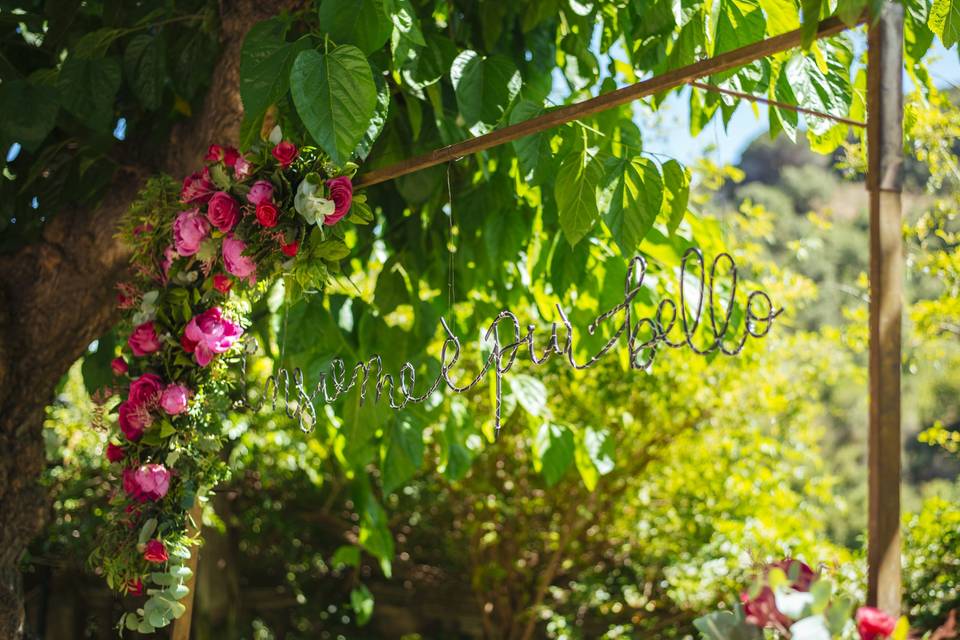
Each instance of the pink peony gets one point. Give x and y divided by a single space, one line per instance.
119 366
261 191
144 341
873 623
190 229
148 482
115 453
242 169
197 187
222 283
155 552
209 334
223 211
267 214
235 262
341 192
174 399
285 153
133 419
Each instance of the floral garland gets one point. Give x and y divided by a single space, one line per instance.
201 253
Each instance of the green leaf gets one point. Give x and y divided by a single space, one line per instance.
404 454
726 625
265 61
362 23
944 21
97 373
145 65
347 554
850 11
830 93
484 87
87 89
406 37
575 191
379 119
554 446
29 112
810 17
375 535
676 179
362 602
146 531
632 197
530 393
533 152
739 23
782 16
335 97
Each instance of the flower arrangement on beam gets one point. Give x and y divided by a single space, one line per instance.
201 252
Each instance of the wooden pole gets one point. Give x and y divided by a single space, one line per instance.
181 626
884 177
569 113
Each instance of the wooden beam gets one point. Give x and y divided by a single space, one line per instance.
569 113
884 178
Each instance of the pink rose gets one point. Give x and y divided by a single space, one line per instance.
235 262
155 552
133 419
242 169
223 211
115 453
145 389
873 623
169 255
197 187
261 191
214 153
174 399
190 229
222 283
148 482
208 334
267 215
119 366
341 192
762 610
285 153
144 341
135 587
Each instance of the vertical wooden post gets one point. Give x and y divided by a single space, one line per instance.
884 177
181 626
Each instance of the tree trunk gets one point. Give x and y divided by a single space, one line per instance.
57 296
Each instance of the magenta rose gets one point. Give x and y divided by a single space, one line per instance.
197 187
115 453
267 214
133 419
148 482
873 623
235 262
285 153
144 340
154 551
208 334
174 399
341 192
222 283
190 229
223 211
145 389
261 191
119 366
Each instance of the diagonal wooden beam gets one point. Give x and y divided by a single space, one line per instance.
569 113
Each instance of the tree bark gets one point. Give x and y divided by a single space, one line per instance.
57 296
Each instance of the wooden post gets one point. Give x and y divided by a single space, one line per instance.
884 177
181 626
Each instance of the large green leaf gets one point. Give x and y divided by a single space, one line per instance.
335 97
739 23
810 16
87 89
830 93
362 602
146 68
676 179
533 152
407 37
362 23
632 197
265 61
782 16
403 455
485 87
555 448
575 191
97 373
945 21
29 112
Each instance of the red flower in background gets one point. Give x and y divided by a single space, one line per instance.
873 623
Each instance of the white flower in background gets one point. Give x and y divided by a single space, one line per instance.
314 208
276 135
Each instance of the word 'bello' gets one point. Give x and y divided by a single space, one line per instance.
644 336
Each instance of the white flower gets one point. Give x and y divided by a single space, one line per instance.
275 135
308 204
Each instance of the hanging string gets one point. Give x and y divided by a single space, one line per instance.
451 247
